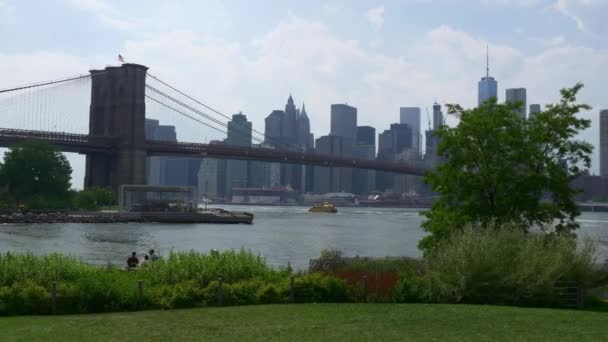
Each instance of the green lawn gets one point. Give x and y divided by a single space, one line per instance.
329 322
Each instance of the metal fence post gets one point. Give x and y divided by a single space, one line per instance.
292 289
54 298
580 296
140 294
365 287
220 281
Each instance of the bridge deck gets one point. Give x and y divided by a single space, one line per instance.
83 143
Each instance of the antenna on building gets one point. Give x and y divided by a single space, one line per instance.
487 61
428 117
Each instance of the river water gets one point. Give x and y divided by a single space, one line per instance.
280 234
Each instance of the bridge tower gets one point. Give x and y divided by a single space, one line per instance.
118 110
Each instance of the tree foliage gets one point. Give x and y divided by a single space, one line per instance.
498 167
94 198
35 173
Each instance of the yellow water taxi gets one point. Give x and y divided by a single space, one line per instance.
323 208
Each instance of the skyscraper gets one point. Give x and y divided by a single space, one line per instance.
385 180
290 129
604 143
344 121
517 95
402 135
212 176
534 108
364 181
333 179
487 87
437 116
411 117
165 170
239 134
305 138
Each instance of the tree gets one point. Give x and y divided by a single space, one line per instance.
36 173
498 167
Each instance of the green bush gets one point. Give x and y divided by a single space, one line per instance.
506 266
94 198
320 288
24 298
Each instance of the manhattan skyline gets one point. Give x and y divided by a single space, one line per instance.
376 56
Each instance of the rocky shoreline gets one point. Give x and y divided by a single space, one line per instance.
62 217
210 216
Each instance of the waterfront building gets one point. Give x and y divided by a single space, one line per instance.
411 117
364 181
166 170
237 171
333 179
212 177
384 180
517 95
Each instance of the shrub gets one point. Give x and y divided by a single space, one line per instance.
319 288
504 265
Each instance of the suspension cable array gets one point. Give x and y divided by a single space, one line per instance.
256 135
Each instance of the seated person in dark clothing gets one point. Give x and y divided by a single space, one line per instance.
132 261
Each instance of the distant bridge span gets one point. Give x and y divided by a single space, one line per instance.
116 146
85 144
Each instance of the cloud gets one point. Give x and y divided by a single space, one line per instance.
589 15
105 12
513 3
375 16
306 58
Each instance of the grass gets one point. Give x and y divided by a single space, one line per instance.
319 322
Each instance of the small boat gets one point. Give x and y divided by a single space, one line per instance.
323 208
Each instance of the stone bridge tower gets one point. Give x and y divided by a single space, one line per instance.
118 110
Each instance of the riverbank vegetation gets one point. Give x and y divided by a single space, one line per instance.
318 322
506 267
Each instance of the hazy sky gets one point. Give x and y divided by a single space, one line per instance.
376 55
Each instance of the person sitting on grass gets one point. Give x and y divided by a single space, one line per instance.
153 256
145 261
132 262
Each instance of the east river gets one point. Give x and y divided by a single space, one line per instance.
280 234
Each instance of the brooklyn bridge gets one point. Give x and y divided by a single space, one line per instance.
115 144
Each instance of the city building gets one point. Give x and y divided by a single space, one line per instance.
333 179
364 181
237 171
411 117
403 137
384 180
166 170
344 121
438 119
604 143
264 174
212 177
290 129
517 95
534 108
487 87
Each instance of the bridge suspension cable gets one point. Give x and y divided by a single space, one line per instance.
47 83
266 138
191 109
